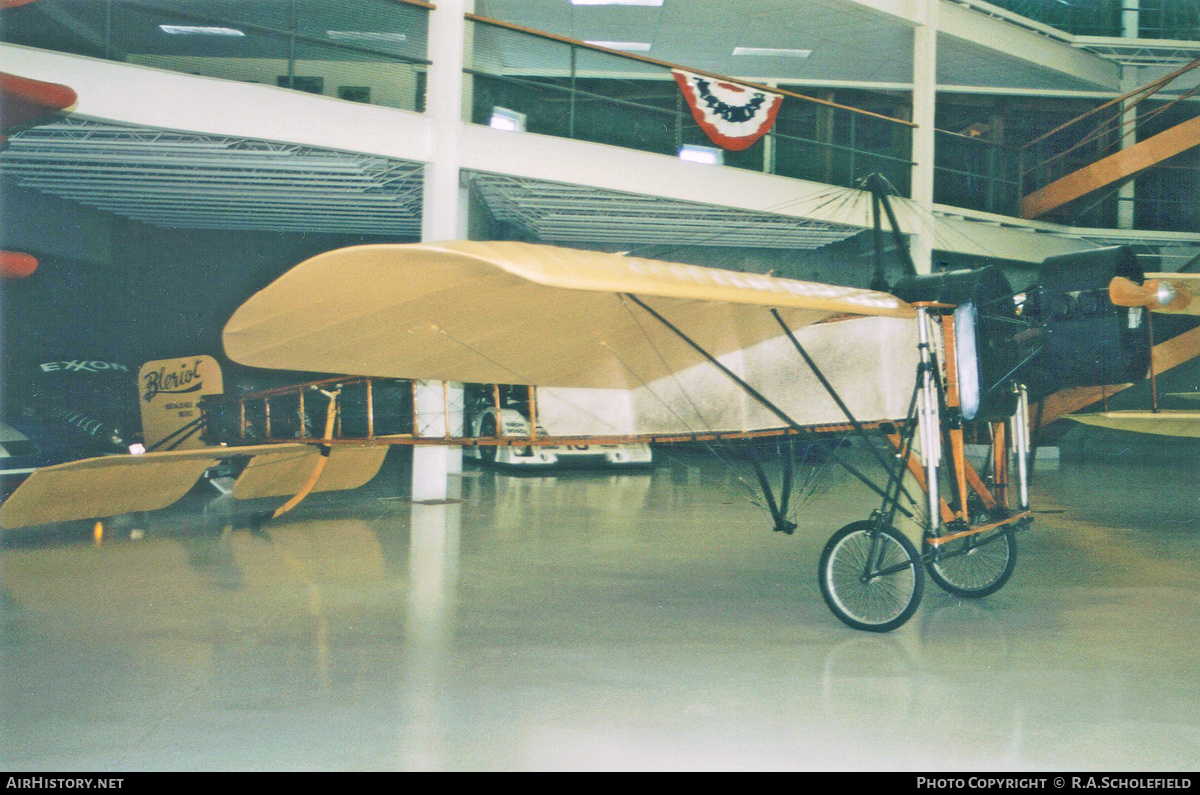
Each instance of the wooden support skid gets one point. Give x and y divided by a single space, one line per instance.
983 528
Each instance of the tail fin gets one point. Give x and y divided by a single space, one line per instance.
169 392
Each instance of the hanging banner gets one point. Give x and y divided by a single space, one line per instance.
733 116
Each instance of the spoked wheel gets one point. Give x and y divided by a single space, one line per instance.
973 566
871 580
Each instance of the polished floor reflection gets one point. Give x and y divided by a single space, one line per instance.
592 620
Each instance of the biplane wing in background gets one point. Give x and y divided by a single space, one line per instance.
27 103
1168 293
1164 422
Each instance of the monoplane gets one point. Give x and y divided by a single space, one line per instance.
620 348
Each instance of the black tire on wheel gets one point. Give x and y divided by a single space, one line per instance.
975 566
879 603
487 428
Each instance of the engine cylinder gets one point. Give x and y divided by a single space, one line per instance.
1085 339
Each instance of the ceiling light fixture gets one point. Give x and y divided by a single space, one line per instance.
366 35
777 52
654 3
507 119
625 46
199 30
708 155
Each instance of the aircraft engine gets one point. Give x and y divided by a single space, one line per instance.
1084 339
1064 331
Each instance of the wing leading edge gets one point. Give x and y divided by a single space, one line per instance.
518 313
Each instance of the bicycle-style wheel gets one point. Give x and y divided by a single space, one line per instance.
871 579
974 566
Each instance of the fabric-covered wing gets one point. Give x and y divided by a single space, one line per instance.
518 313
107 486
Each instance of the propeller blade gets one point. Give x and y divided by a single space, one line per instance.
1154 294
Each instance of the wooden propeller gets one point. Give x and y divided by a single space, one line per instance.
1154 294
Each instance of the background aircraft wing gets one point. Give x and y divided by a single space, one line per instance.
1162 422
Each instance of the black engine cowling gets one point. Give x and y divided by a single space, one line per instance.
1063 332
1085 340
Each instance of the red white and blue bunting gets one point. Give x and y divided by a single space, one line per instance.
733 116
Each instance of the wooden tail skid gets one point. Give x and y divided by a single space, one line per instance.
322 460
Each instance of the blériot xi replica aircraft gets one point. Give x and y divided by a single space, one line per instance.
636 350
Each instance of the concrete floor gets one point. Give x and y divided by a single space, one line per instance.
596 621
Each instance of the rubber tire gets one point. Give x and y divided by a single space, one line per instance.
950 580
487 428
844 550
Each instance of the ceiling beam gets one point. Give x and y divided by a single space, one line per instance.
1004 38
137 95
1008 40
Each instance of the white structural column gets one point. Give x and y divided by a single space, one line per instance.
443 218
1125 193
1130 21
443 107
924 100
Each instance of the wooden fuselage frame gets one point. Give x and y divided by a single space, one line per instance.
965 479
247 435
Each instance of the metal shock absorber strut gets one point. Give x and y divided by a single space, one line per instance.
1020 432
928 421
